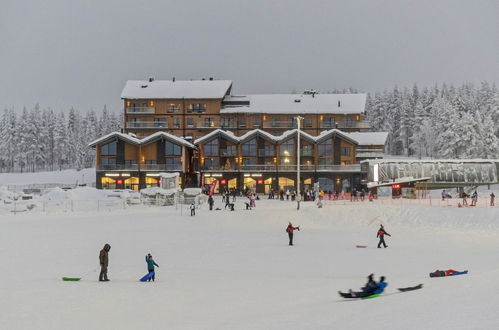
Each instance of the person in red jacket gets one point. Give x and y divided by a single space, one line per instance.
381 235
290 230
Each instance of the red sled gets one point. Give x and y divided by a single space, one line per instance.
361 246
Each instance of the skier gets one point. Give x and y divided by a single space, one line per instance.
443 194
193 209
474 198
290 230
104 261
150 266
211 202
492 197
287 194
381 235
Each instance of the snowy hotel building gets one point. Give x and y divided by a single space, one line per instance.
198 128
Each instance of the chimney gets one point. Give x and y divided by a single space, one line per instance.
173 79
151 79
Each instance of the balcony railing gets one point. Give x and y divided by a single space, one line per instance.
215 124
140 110
143 167
146 124
283 168
227 153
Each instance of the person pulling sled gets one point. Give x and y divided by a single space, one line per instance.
150 267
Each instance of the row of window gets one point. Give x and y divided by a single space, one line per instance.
170 108
171 149
287 149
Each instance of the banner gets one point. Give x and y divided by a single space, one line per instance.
212 186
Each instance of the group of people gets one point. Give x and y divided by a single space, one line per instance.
372 287
474 199
104 263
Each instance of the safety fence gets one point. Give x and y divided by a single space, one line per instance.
483 202
63 206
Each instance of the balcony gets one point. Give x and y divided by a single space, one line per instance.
146 124
279 124
140 110
215 124
284 168
143 167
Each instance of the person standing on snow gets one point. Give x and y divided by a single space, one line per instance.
492 197
104 261
474 198
211 202
150 266
381 235
193 209
290 230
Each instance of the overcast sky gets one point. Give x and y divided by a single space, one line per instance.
63 53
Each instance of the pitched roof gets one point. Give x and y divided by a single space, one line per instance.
276 138
301 104
133 140
369 138
168 89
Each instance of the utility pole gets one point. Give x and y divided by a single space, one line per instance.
298 191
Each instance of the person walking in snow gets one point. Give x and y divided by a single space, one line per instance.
290 230
211 202
150 266
492 197
104 262
193 209
474 198
381 235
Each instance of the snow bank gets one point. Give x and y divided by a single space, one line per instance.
55 194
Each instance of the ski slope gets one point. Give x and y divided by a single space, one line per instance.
234 270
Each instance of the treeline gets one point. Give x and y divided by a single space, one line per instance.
439 121
41 139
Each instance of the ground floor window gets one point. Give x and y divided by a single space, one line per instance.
268 185
286 184
108 183
152 182
232 183
208 181
326 184
249 184
132 183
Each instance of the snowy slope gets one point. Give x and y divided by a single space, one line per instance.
234 270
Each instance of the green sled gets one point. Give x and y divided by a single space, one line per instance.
372 296
71 279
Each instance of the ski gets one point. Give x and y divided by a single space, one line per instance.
411 288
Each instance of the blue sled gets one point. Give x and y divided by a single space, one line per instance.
459 273
147 277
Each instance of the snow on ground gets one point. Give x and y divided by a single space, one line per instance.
234 270
70 177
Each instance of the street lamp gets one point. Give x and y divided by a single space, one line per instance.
298 191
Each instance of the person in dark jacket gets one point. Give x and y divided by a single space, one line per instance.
370 288
290 230
104 261
150 266
211 202
381 235
193 209
492 198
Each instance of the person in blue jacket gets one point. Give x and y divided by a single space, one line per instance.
150 266
369 289
381 285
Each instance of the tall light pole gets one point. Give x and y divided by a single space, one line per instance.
298 191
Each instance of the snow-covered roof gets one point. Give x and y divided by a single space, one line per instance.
126 137
369 138
171 137
301 104
168 89
276 138
227 134
136 141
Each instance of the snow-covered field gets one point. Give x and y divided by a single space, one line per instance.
234 270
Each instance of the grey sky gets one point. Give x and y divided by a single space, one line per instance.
79 53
